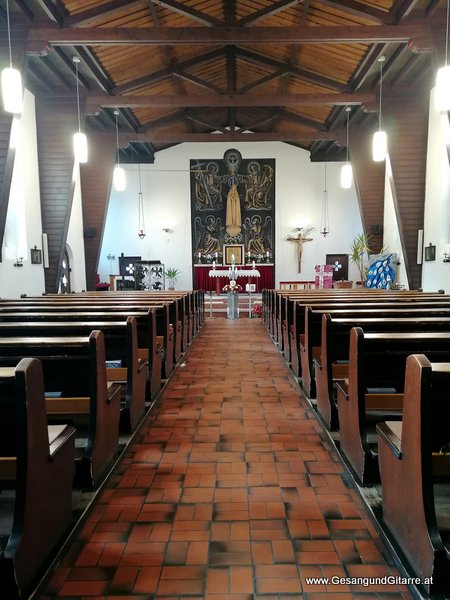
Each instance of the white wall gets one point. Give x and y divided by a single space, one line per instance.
391 233
436 274
75 240
23 222
166 188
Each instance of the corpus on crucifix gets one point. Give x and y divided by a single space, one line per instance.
300 239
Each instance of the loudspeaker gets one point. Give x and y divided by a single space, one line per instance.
377 229
90 232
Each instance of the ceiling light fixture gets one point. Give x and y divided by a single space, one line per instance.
80 147
347 171
379 144
119 174
11 79
141 220
442 91
324 221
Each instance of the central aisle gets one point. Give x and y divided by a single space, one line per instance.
230 491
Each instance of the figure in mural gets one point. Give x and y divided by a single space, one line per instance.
258 186
258 234
233 217
208 188
208 235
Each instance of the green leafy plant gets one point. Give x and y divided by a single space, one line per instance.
172 275
360 250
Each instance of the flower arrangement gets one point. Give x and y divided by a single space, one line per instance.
232 287
256 311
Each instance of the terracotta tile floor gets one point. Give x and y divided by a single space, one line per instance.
229 492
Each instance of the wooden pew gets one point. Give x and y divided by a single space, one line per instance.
291 323
332 364
76 388
164 329
309 331
180 314
121 344
310 342
149 343
37 461
374 389
284 309
414 456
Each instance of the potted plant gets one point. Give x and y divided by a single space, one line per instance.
360 251
172 275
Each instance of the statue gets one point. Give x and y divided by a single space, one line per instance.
300 239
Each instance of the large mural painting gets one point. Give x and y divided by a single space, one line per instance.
233 202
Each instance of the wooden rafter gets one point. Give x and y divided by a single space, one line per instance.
99 12
190 12
267 11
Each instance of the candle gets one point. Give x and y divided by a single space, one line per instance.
214 264
199 254
232 258
217 254
253 264
267 254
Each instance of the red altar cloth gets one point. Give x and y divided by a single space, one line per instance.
202 281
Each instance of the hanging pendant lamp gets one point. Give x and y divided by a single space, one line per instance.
324 217
379 143
141 220
80 146
442 89
12 91
347 171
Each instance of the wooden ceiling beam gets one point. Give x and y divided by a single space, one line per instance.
177 138
95 101
165 121
267 79
267 11
402 8
197 81
261 59
168 72
417 33
187 11
55 11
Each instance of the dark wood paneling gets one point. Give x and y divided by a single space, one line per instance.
369 181
96 178
56 121
6 169
407 125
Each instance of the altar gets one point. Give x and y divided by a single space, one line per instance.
202 280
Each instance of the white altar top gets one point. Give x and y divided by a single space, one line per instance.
236 273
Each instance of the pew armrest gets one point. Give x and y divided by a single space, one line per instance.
342 387
391 433
58 435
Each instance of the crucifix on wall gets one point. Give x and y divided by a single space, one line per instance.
300 239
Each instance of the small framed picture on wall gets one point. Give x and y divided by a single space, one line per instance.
430 252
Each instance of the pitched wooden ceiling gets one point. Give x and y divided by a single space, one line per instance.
211 70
